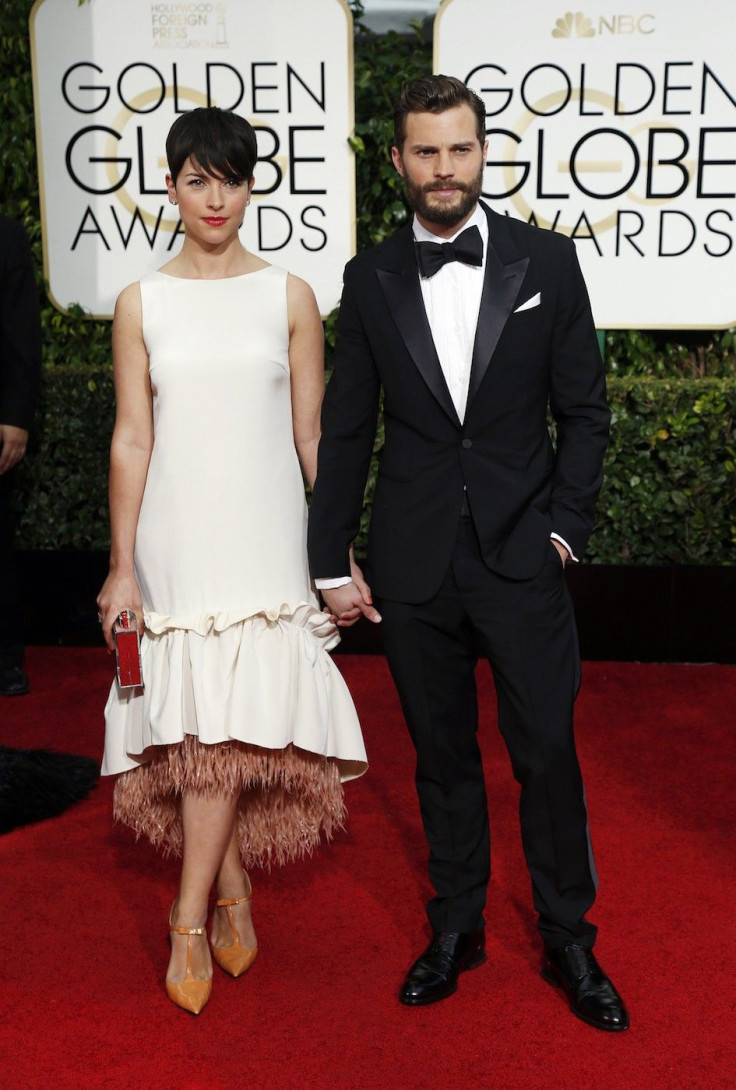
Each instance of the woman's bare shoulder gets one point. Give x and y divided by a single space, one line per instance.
300 296
129 300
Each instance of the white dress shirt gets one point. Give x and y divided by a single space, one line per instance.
452 302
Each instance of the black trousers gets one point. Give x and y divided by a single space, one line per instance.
527 632
11 644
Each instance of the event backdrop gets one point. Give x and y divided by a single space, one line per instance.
615 127
615 124
109 80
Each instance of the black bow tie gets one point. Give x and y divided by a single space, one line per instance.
467 247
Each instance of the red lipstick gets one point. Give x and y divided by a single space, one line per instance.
215 221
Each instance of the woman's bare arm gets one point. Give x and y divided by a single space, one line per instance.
130 453
307 367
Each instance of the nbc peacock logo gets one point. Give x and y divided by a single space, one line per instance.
574 26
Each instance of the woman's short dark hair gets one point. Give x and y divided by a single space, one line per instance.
434 95
220 142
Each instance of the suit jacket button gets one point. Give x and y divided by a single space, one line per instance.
467 444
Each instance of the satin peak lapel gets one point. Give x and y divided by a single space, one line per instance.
500 292
404 298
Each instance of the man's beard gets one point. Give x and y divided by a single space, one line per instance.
441 212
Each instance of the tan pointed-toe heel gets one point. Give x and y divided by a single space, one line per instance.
234 959
190 994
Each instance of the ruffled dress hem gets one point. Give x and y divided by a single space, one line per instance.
243 702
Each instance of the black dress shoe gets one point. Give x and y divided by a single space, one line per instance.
434 975
13 682
590 993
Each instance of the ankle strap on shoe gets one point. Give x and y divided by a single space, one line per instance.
187 930
225 901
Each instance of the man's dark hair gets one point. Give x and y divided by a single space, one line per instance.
434 95
219 142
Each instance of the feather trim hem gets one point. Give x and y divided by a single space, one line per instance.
289 798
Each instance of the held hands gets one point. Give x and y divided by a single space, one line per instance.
13 443
351 601
118 592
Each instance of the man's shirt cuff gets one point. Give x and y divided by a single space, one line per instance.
332 584
556 537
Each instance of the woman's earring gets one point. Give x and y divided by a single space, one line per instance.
171 199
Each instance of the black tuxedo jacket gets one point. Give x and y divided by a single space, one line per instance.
20 328
519 486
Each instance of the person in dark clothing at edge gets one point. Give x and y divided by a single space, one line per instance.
20 373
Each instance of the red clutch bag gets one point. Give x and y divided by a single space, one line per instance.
127 650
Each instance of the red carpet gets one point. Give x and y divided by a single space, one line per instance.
84 910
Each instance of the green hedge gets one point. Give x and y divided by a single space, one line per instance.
61 498
669 495
669 491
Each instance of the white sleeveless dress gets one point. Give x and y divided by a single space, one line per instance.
240 692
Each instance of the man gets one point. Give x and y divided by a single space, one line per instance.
20 368
472 324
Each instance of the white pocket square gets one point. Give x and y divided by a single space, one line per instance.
533 302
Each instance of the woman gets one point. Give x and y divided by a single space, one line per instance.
238 744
